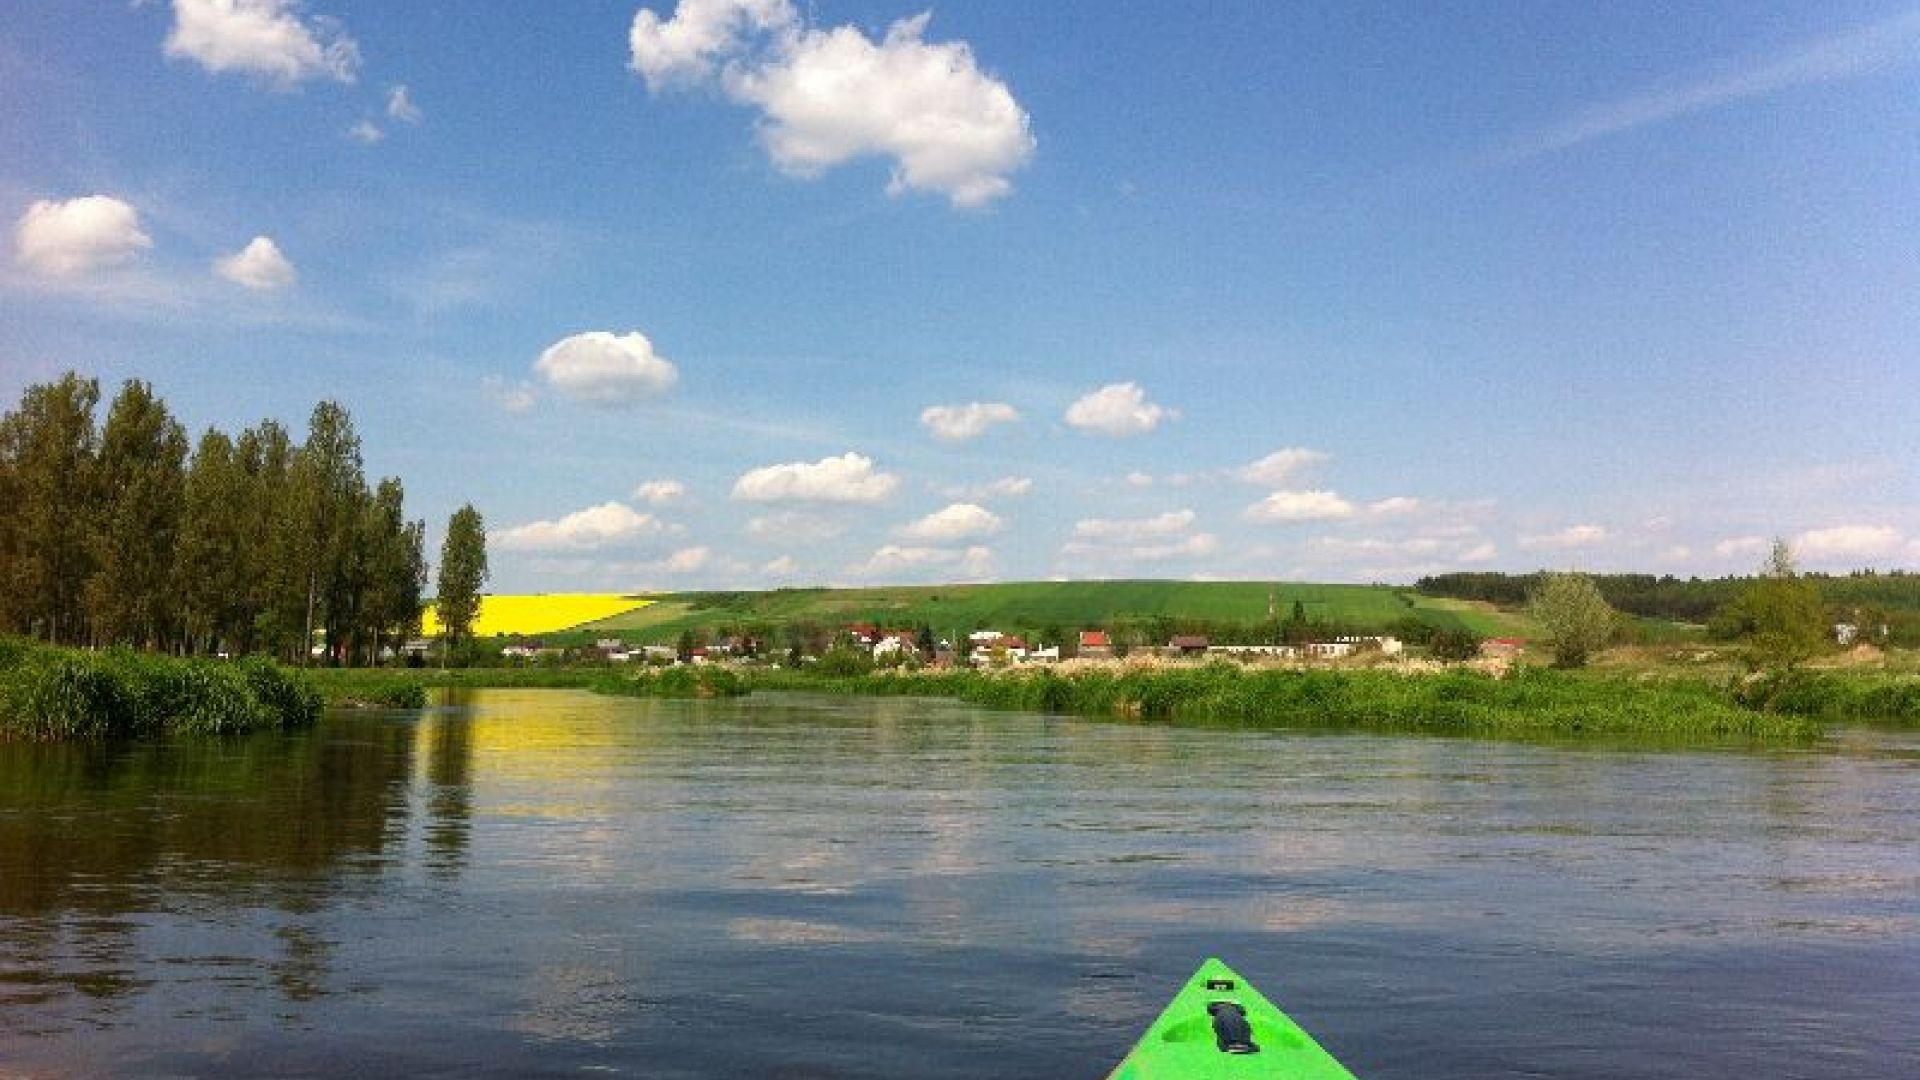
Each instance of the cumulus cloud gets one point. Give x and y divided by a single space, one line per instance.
1299 506
1848 542
973 563
73 237
1171 523
267 38
827 97
783 566
960 521
958 423
1119 410
604 369
259 265
1479 553
1186 547
1741 545
1280 467
400 106
1138 479
849 478
1573 536
686 560
514 397
788 526
366 132
1395 506
591 529
1007 487
660 492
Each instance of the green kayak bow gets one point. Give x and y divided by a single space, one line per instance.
1219 1028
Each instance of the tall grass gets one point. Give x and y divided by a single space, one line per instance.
55 694
674 682
1528 701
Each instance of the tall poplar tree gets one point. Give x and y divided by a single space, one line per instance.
210 558
139 477
50 443
463 570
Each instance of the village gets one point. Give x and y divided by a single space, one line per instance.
980 649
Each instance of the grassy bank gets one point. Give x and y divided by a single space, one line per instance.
51 694
410 689
1527 702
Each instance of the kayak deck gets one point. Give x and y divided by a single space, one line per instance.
1219 1028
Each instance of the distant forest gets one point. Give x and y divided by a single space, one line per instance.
116 533
1866 598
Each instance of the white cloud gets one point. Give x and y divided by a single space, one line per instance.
686 47
1138 479
957 423
1479 553
259 265
366 132
591 529
788 526
827 97
268 38
849 478
514 397
1394 506
1741 545
686 560
1121 530
1006 487
960 521
1297 506
65 239
781 567
600 368
1119 410
1369 547
1280 467
1848 542
400 106
1188 547
660 492
1573 536
973 563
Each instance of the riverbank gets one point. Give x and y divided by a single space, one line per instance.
384 688
53 694
1525 701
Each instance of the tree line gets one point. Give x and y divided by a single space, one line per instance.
1885 605
118 533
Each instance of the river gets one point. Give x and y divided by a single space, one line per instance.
550 883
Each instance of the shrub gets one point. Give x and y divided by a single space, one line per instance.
1454 645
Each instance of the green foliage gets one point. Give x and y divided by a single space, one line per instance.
1781 611
111 536
842 661
58 694
463 570
1575 619
1453 645
1527 702
682 681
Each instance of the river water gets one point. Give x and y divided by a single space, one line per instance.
549 883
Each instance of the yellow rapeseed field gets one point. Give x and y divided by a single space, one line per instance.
540 613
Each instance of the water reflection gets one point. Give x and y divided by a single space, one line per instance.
515 882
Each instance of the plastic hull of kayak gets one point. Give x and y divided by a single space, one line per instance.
1219 1028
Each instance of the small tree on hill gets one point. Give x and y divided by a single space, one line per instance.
1576 619
1782 612
463 570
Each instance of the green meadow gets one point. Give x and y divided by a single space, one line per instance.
1038 605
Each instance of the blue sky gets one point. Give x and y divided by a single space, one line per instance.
1320 291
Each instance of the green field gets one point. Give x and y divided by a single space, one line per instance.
1040 605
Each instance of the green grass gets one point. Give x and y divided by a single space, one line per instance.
1531 702
53 694
1068 605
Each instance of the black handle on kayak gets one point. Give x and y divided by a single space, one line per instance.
1231 1032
